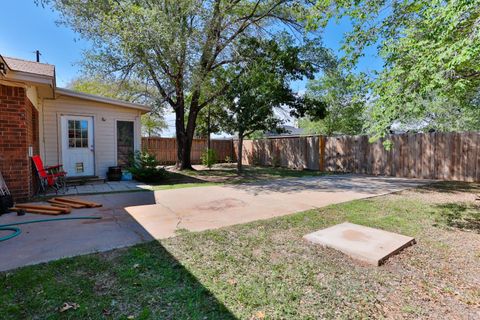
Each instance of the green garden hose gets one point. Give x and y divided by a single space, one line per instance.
17 231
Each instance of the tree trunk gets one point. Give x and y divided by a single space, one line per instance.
208 130
184 144
184 148
240 153
185 138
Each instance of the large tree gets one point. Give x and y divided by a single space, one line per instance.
180 46
262 88
431 50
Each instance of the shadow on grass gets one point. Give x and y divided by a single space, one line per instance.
227 173
178 178
142 282
451 187
460 216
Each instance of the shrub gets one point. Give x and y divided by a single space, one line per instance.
209 158
228 159
146 168
275 161
256 159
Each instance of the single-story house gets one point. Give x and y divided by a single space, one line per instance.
85 133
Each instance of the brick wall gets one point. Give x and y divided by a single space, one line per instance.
18 131
32 140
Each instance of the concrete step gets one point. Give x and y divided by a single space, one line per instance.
78 181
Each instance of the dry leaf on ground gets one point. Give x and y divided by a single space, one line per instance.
68 305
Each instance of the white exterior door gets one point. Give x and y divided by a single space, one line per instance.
77 146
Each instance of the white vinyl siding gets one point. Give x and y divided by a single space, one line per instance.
104 116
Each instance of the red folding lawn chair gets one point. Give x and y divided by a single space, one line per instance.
50 177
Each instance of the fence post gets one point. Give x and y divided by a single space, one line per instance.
321 148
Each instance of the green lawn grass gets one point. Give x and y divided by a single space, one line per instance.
264 270
228 174
182 185
251 173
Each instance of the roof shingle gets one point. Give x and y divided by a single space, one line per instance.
30 66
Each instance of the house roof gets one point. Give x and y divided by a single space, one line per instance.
91 97
38 68
289 131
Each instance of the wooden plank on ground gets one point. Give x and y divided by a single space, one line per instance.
78 201
60 203
42 207
37 211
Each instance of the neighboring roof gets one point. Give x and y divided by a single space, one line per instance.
30 66
91 97
289 131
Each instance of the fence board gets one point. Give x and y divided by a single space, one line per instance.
446 156
426 156
441 160
165 149
313 153
477 156
471 156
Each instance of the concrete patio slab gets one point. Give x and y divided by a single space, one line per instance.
370 245
218 206
131 218
47 241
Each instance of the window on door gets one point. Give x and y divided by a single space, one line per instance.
77 133
125 142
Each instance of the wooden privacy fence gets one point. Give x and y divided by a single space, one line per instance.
165 149
445 156
289 152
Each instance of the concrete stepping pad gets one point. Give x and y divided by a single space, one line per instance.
369 245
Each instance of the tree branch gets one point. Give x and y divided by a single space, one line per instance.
159 86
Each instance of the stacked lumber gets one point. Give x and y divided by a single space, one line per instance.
73 202
56 203
40 209
58 206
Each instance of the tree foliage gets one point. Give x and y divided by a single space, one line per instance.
153 123
431 51
346 101
181 47
216 114
131 91
261 88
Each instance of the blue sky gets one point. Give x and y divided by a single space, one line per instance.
25 27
